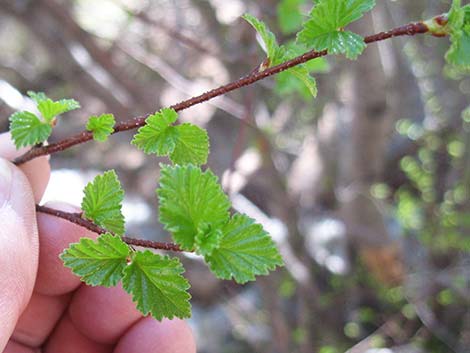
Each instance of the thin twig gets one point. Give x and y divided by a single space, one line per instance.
76 219
133 123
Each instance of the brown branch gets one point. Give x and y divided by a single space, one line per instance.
133 123
78 220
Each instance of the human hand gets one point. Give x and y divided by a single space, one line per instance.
43 306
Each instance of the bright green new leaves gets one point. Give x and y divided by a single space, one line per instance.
324 30
102 202
269 39
191 201
27 129
192 145
154 281
49 108
157 136
101 126
245 251
278 54
459 26
286 83
195 209
186 143
157 286
99 262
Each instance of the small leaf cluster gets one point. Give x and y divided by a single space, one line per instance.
184 143
29 129
323 30
101 126
192 207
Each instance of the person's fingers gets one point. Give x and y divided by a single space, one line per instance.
15 347
66 338
18 247
56 234
55 283
37 171
116 311
39 318
151 336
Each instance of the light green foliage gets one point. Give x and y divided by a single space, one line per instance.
245 250
102 202
324 30
157 136
278 54
289 82
99 262
192 145
101 126
157 286
459 27
186 143
190 201
269 39
49 108
207 239
290 15
27 129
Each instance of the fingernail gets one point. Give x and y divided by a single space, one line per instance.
6 174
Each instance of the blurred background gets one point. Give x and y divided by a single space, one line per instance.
365 188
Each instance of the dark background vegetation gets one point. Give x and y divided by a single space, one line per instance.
366 188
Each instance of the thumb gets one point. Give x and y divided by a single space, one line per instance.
18 247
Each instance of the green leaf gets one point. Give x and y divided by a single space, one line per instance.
269 39
157 286
190 200
49 108
302 74
245 251
27 129
157 136
37 97
324 30
290 15
186 143
289 82
278 54
459 24
192 145
101 126
207 239
102 202
99 262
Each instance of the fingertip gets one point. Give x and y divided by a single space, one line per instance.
149 335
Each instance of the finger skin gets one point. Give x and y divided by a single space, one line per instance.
117 312
66 338
39 318
150 336
19 247
37 171
15 347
